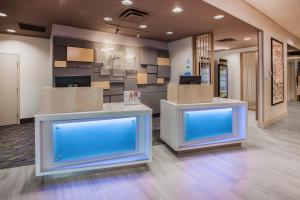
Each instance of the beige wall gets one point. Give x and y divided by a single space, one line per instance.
35 71
250 15
180 51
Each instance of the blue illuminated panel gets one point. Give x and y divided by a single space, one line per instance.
207 123
88 139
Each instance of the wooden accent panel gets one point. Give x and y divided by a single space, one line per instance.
163 61
101 84
65 100
80 54
59 63
160 80
203 49
187 94
298 81
142 78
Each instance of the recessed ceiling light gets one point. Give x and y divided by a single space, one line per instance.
3 14
127 2
108 19
177 9
143 26
169 33
219 16
247 38
11 30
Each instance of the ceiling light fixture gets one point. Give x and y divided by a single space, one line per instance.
169 33
247 38
3 14
108 19
127 2
219 16
143 26
11 30
177 9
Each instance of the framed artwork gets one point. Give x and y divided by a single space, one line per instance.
277 71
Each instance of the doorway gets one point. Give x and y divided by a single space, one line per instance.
9 89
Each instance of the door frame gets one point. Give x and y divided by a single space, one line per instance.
18 83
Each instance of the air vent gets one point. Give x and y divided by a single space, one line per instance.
30 27
226 40
133 15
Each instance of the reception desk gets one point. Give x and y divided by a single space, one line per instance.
118 135
202 125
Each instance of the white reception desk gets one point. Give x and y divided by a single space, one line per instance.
202 125
118 135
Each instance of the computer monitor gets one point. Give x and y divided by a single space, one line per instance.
190 80
72 81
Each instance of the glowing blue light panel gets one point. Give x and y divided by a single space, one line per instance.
204 124
88 139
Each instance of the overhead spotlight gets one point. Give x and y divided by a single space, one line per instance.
247 38
11 30
127 2
108 19
177 9
3 14
169 33
219 16
117 31
143 26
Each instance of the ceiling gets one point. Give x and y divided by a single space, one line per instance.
283 12
196 18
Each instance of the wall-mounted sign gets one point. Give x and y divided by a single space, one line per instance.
188 68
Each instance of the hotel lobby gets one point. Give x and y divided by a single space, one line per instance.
137 99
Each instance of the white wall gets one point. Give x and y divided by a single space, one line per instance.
234 70
180 51
35 72
249 14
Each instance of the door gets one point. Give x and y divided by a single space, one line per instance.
249 61
9 98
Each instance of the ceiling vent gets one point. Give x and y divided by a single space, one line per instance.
226 40
133 15
29 27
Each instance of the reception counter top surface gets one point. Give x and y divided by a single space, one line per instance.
216 100
107 108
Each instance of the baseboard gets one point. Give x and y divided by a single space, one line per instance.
268 123
27 120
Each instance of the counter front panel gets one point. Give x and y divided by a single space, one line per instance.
204 124
105 138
